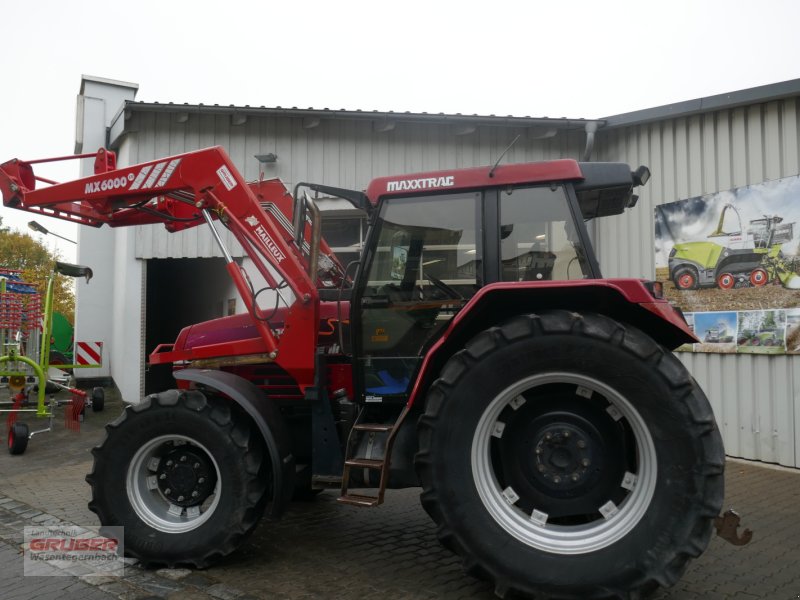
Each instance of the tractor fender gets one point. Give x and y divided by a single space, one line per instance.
268 419
625 300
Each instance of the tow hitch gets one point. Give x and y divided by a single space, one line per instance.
727 524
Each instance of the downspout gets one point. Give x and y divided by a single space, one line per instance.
591 129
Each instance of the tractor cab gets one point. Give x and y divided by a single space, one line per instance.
770 231
437 239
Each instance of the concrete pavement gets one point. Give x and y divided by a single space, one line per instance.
324 550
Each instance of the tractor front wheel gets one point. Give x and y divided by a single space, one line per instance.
570 455
182 473
685 278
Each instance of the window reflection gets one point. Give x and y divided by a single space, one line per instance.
538 240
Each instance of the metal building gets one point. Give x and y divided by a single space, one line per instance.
693 148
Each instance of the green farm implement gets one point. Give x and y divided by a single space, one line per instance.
27 364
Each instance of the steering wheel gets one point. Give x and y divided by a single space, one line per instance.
443 287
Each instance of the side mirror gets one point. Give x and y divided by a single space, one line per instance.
641 176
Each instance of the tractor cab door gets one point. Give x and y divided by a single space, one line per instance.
426 256
424 261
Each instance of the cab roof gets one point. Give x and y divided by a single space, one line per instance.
474 178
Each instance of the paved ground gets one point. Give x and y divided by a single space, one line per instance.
324 550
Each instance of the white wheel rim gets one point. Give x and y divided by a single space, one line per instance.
529 528
151 505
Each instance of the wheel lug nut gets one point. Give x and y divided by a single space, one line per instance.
167 491
586 462
162 476
557 479
566 434
196 465
538 451
548 436
170 463
574 477
183 458
195 494
581 444
180 498
201 480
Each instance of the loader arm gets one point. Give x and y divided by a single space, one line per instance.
184 191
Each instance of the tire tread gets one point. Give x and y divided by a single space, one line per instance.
630 340
231 424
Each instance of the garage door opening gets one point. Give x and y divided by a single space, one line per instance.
181 292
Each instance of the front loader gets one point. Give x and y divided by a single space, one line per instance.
474 350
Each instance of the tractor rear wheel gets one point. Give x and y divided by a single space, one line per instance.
685 278
570 455
183 473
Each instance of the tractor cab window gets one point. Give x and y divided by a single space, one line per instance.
425 264
538 238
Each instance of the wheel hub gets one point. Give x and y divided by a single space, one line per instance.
185 476
562 456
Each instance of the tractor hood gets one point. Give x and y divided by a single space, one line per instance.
240 329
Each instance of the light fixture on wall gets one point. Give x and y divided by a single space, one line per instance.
264 160
41 229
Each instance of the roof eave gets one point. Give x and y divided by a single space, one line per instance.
755 95
360 115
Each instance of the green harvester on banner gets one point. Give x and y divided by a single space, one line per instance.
28 365
754 259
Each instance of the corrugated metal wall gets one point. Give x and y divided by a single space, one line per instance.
337 152
755 397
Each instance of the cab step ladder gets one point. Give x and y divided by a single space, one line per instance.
375 464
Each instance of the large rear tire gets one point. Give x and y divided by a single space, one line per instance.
570 455
183 474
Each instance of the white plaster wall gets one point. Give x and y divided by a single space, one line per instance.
97 104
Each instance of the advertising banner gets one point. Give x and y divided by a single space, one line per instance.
730 261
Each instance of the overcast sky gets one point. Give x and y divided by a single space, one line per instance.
570 58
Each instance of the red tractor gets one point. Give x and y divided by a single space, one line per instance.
474 351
